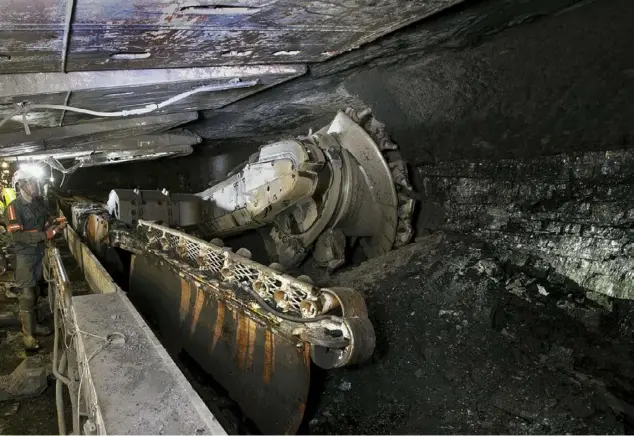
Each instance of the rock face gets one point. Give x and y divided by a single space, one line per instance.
569 216
467 344
504 318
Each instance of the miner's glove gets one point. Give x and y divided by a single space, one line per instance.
50 233
56 221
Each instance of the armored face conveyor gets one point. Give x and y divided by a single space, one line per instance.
254 329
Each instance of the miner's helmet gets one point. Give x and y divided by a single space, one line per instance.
21 177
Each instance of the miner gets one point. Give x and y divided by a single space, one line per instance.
26 219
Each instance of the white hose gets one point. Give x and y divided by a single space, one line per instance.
54 163
234 84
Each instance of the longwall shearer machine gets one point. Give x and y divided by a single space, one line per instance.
163 282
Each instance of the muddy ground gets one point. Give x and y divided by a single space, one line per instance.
36 415
470 344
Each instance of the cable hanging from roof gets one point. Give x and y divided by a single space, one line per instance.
24 109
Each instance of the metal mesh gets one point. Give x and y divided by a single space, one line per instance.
284 291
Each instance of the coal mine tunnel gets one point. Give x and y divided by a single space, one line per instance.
325 217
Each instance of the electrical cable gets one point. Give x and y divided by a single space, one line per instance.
56 164
232 84
108 339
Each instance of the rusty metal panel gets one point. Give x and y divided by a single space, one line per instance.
101 83
375 16
32 50
31 35
265 372
7 102
124 89
195 32
76 135
138 96
117 98
236 31
98 48
152 143
20 13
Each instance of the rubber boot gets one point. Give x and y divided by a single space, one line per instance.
28 318
41 329
28 330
